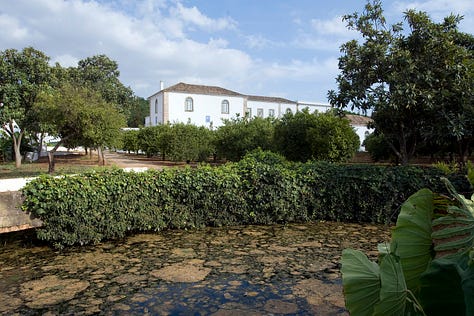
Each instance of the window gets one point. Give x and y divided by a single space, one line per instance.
225 107
156 105
260 112
271 113
249 112
188 104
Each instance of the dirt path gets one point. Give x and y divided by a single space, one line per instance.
132 161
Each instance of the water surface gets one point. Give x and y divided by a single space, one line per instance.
252 270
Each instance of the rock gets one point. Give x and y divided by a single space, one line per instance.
182 272
280 307
51 290
318 292
9 303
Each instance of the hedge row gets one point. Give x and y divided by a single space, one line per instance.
260 189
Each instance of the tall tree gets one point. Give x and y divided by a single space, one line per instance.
23 75
404 76
101 73
138 111
79 117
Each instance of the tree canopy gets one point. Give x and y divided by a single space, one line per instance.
417 80
79 117
23 75
323 136
240 135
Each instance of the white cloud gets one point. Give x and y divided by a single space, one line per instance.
324 34
10 27
194 17
147 48
334 26
259 42
65 60
438 9
441 6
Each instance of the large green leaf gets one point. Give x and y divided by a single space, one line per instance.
361 281
454 232
447 287
411 238
393 292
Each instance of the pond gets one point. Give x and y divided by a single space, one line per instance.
252 270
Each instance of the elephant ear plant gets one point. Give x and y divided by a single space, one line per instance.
427 269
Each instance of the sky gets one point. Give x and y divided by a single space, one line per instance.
278 48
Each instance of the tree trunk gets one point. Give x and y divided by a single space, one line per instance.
101 156
16 144
39 149
463 146
51 162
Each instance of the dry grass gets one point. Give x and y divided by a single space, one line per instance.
65 164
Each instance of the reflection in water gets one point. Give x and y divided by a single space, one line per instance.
282 269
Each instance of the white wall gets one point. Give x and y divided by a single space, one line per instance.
156 113
362 131
279 108
321 108
206 109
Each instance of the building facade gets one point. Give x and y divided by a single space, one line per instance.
210 105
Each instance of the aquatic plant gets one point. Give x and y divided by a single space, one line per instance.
427 269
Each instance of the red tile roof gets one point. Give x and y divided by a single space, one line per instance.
200 89
358 119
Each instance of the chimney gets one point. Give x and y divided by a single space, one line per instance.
162 85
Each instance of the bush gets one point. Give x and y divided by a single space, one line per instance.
241 135
378 147
263 188
324 136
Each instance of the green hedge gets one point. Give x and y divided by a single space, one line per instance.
260 189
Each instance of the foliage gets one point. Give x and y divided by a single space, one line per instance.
148 140
270 188
378 147
418 82
332 139
23 75
101 74
188 142
263 188
79 117
139 109
470 172
240 135
177 142
291 135
130 141
431 253
447 168
323 136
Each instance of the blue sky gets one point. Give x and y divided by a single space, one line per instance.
285 48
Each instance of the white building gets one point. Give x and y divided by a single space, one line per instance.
360 123
209 105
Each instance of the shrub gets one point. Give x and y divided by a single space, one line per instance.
241 135
262 188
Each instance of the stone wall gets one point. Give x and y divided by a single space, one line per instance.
12 218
